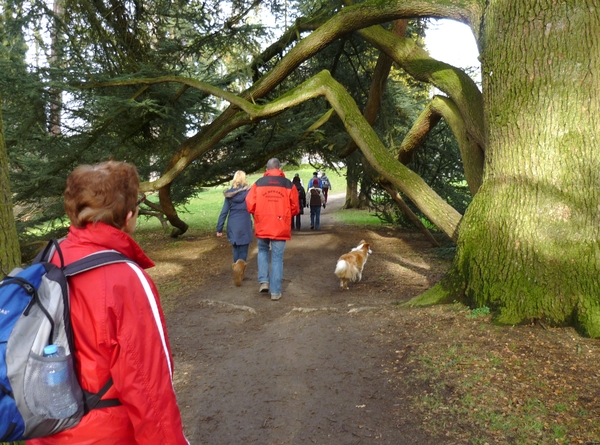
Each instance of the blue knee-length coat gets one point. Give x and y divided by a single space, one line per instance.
239 221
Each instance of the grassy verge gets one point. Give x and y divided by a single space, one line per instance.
202 212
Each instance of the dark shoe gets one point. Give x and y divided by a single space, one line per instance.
264 288
312 227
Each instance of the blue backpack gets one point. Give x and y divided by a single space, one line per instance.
34 313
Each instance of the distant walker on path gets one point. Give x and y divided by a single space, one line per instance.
315 200
325 186
296 221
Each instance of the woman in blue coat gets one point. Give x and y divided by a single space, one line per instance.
239 223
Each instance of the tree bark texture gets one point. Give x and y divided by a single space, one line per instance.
10 254
353 172
529 243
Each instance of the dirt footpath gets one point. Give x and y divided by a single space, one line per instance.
313 367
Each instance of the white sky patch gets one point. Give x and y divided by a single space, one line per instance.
453 42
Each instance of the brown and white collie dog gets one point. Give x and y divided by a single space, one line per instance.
350 265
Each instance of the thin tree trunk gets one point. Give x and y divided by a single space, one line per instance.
10 253
55 105
352 174
179 226
411 215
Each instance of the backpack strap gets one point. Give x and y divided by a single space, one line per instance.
95 260
48 252
90 400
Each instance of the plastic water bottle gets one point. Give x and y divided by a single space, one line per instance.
61 403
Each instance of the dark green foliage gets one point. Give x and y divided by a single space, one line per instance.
95 42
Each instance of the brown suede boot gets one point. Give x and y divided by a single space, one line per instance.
239 268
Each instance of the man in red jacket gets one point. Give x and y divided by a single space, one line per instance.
273 200
118 324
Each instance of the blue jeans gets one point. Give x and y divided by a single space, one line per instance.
273 249
240 251
315 217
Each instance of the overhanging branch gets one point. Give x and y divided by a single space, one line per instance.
429 202
453 81
471 153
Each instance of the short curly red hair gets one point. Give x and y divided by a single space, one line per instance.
104 192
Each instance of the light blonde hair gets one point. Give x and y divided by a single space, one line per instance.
239 179
104 192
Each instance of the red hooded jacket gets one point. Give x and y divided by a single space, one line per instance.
273 200
119 331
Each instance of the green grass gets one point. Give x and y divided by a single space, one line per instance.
202 211
358 218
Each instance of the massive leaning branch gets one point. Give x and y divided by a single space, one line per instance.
372 107
348 20
434 207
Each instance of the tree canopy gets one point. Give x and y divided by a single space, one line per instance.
130 92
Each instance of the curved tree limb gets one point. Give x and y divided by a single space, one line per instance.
427 120
411 184
411 215
348 20
292 34
380 76
435 208
453 81
471 154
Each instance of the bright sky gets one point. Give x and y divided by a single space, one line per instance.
452 42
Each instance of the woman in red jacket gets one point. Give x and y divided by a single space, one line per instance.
118 323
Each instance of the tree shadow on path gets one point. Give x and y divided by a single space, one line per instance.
313 367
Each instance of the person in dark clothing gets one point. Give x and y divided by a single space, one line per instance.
315 200
325 186
296 223
239 223
315 176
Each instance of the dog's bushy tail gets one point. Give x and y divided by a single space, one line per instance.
345 270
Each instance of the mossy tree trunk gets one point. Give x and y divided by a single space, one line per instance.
353 172
528 245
